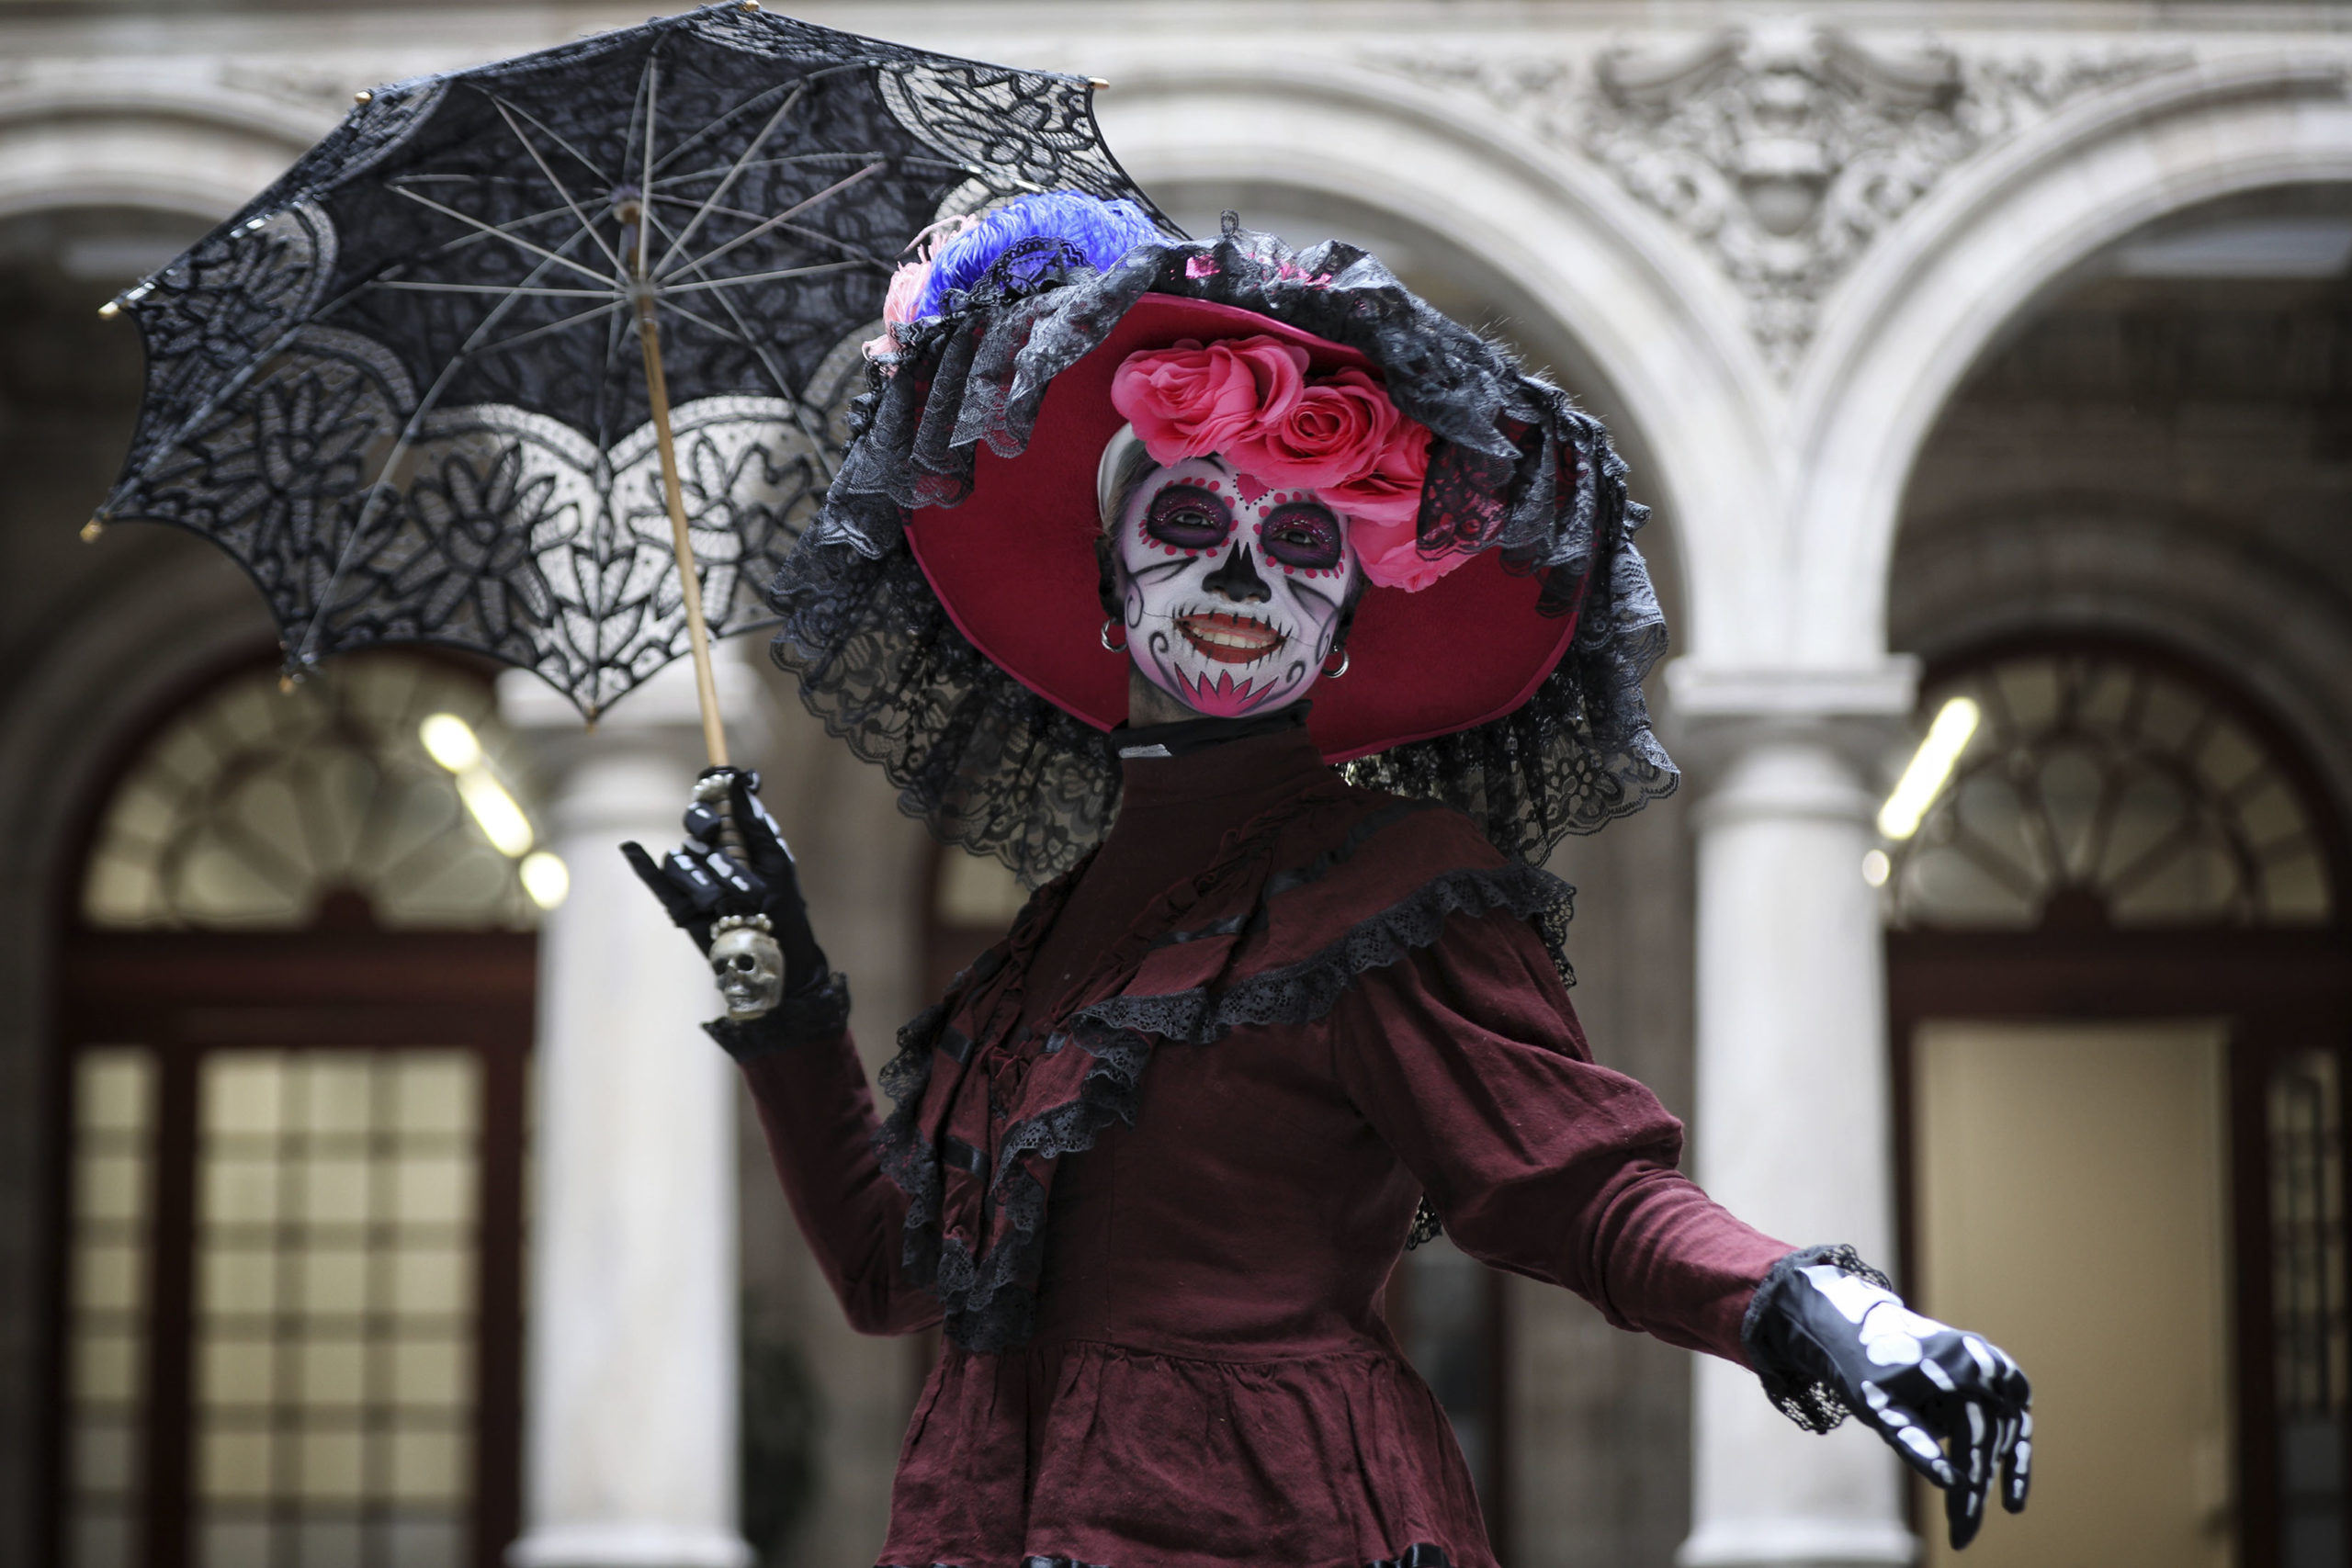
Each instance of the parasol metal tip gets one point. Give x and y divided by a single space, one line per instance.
110 310
363 96
1097 83
92 529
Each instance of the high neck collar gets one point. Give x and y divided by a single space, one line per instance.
1189 735
1251 764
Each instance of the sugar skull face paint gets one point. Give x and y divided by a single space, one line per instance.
1233 591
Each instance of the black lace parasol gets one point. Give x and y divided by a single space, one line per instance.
416 387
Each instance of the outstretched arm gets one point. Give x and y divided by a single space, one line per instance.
1466 1057
730 884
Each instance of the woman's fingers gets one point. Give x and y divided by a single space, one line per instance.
1909 1435
1964 1500
2017 1464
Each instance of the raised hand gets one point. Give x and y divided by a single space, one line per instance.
1955 1406
731 881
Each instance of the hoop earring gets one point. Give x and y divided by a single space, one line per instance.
1344 657
1108 645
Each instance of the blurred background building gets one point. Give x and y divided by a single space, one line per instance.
1989 368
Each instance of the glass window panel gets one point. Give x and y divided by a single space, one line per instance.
2168 715
340 1095
331 1544
438 1092
2030 692
334 1191
2228 758
2194 884
434 1282
116 1091
430 1374
243 1091
2296 888
1958 889
330 1463
108 1278
102 1538
105 1367
233 1461
235 1371
428 1466
2270 812
106 1455
333 1281
111 1186
234 1543
2070 785
334 1372
222 885
426 1542
236 1282
434 1190
239 1190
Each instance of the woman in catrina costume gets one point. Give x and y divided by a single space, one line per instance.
1279 626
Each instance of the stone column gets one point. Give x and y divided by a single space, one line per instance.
629 1446
1793 1115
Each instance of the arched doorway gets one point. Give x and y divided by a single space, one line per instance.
2120 980
294 1003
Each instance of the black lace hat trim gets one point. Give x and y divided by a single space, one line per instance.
992 766
1802 1398
990 1307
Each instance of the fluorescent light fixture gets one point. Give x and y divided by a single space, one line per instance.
502 820
450 742
546 878
1930 769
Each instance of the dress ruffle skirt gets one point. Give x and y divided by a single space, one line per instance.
1137 1460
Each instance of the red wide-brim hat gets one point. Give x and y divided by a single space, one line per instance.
1015 566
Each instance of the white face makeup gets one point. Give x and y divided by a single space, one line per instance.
1232 589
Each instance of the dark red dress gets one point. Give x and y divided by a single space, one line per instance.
1156 1153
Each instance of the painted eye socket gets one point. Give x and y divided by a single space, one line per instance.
1303 534
1188 518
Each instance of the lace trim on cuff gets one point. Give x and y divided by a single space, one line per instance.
1811 1402
821 1012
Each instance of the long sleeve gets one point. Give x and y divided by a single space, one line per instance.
819 1117
1467 1057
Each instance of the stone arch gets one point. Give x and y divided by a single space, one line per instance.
1551 231
199 150
1927 303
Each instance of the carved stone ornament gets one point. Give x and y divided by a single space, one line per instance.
1785 148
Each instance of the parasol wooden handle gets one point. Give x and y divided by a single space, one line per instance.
657 394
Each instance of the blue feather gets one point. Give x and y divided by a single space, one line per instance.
1101 232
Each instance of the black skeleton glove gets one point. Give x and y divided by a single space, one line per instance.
732 887
1828 1336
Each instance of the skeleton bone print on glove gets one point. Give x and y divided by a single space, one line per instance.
1926 1385
1233 590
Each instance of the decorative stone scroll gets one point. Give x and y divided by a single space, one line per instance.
1783 148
